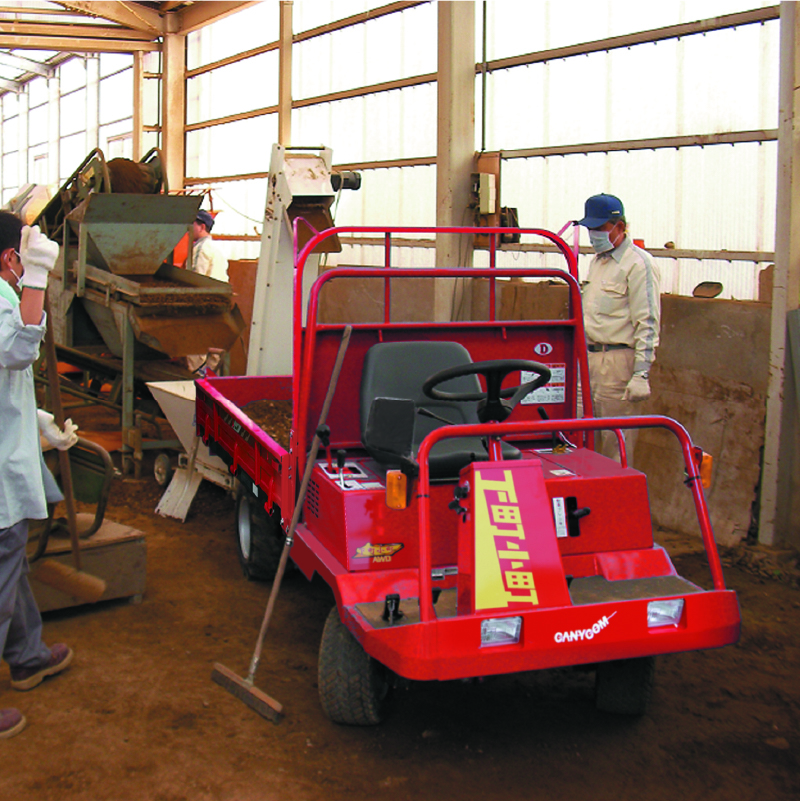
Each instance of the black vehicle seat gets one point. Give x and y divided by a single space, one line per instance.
398 370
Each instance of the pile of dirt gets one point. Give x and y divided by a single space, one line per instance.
777 564
273 417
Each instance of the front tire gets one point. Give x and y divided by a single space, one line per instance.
624 687
354 688
259 537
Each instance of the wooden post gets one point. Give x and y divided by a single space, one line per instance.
780 438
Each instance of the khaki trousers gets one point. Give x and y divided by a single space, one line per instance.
609 374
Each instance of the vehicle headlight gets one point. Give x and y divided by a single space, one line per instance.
664 613
501 630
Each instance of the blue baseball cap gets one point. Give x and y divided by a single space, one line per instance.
600 209
204 217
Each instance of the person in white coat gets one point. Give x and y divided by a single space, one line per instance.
26 260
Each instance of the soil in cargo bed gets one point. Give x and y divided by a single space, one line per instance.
272 416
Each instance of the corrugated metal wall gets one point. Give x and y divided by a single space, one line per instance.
708 198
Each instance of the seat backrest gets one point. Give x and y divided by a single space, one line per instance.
399 369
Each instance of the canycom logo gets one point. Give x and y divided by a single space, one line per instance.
584 634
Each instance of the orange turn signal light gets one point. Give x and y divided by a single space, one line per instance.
396 489
706 465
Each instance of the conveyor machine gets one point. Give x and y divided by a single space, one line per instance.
121 310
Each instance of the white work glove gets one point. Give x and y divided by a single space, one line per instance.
638 389
38 255
63 440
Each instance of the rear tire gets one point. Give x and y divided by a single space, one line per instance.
354 688
259 537
624 687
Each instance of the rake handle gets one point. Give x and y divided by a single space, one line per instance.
298 506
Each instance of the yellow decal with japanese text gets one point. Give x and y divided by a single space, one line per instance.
503 570
380 552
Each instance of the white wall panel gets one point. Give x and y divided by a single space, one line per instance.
116 98
245 30
72 74
397 196
73 151
724 81
233 89
387 125
526 26
231 149
73 118
387 48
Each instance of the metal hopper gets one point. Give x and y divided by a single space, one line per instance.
115 289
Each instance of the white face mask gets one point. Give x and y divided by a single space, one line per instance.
601 242
13 272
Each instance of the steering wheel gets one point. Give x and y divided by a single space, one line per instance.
496 404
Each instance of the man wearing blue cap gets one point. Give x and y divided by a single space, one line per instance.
622 317
207 259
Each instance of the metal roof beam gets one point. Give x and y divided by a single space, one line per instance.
10 86
131 15
69 45
198 15
27 64
17 11
68 31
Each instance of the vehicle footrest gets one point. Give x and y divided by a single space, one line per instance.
598 589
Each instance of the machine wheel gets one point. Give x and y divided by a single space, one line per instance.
624 687
163 470
259 537
354 688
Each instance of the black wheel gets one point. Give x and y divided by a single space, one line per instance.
354 688
624 687
162 469
259 537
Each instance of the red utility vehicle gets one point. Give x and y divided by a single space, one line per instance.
466 528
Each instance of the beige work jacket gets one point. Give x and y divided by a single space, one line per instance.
622 301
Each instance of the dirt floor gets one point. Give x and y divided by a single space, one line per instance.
137 717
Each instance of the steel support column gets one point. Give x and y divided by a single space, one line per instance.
455 143
780 441
173 108
285 75
138 100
